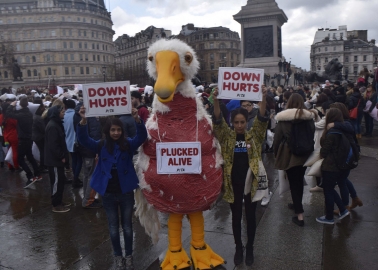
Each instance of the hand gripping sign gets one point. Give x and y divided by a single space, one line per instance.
240 83
178 158
103 99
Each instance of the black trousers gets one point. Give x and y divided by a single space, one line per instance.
41 147
237 214
57 179
25 149
295 175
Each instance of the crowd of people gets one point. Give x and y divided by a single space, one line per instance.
98 153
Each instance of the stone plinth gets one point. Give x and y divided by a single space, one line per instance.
17 84
261 46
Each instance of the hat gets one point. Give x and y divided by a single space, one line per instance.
33 91
337 83
136 94
70 104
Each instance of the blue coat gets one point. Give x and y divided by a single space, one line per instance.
124 160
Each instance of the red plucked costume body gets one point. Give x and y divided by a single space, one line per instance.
182 193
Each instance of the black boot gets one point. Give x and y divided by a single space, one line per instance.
77 183
238 257
249 259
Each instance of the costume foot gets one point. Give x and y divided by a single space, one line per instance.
175 260
205 258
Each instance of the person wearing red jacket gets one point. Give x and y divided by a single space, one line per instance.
9 126
136 100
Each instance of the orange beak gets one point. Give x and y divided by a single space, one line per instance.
169 75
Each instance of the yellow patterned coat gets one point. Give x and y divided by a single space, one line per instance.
227 138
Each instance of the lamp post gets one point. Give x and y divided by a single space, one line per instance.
104 72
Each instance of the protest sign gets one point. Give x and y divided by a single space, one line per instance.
240 83
103 99
178 158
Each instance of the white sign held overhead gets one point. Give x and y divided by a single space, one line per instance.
240 83
178 158
103 99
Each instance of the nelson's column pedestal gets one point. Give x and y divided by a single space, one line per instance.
261 46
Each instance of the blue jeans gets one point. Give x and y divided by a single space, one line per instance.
125 203
352 191
357 123
330 179
369 124
77 163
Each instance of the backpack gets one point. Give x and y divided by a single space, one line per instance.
301 141
347 154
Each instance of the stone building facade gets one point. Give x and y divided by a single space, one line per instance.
58 41
351 48
131 55
215 47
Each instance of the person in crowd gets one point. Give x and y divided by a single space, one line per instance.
353 101
284 158
71 141
89 164
330 95
349 129
369 95
115 180
24 131
252 112
136 100
242 151
38 134
339 92
9 126
55 157
331 174
366 74
319 129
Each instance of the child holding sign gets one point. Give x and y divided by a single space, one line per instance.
115 178
241 151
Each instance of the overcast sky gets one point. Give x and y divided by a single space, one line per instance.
305 17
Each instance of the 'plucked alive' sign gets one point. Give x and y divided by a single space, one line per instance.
240 83
178 158
103 99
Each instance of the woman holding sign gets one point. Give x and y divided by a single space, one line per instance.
241 150
115 178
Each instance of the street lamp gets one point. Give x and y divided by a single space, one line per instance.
104 72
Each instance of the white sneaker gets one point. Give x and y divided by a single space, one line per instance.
316 189
266 200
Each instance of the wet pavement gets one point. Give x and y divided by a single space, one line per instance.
33 237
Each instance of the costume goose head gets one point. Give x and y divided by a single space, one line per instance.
172 63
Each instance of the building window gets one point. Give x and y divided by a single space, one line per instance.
29 73
318 49
326 60
85 33
5 74
71 45
27 59
355 58
326 49
334 48
365 57
64 45
211 45
86 57
66 57
34 59
35 73
355 70
81 57
211 57
346 58
82 70
212 66
66 71
94 58
202 46
98 58
72 57
48 58
87 70
64 32
85 45
93 46
49 72
222 46
94 71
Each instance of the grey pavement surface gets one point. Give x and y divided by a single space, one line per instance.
33 237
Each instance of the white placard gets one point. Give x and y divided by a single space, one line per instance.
178 158
103 99
240 83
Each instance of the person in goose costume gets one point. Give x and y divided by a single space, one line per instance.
178 116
